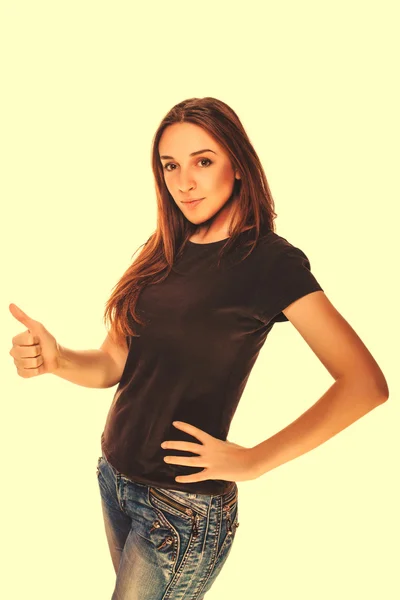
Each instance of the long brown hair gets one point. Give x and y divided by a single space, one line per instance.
254 209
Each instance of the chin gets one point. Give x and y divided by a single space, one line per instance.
199 220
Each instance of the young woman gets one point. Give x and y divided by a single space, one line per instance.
188 319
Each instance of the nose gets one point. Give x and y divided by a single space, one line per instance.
185 184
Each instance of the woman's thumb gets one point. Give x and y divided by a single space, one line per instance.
21 316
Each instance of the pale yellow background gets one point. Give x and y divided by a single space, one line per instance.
84 87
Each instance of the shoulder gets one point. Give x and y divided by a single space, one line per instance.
275 250
283 276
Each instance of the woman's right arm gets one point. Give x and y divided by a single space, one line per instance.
101 368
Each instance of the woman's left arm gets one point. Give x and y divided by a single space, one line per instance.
359 383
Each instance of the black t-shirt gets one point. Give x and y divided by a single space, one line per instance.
192 360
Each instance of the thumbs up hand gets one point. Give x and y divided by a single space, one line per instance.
35 351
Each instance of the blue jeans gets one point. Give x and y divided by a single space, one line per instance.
164 544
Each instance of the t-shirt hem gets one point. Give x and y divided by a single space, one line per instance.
180 487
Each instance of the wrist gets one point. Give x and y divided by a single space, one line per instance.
60 359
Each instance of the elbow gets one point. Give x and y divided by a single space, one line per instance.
375 390
378 385
381 391
384 393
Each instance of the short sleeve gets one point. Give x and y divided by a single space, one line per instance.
286 279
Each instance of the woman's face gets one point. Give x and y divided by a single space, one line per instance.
207 174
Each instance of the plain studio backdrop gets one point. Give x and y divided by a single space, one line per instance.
84 87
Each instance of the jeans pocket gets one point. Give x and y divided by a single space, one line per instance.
178 505
176 529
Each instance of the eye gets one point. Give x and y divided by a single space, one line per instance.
200 160
207 160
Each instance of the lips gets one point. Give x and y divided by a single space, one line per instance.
193 204
192 200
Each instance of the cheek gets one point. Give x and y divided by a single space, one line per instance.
221 179
226 175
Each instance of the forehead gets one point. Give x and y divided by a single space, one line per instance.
183 138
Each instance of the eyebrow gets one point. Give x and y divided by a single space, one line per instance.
192 154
